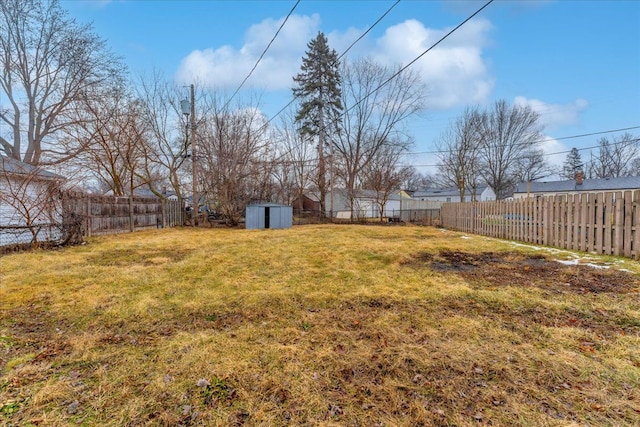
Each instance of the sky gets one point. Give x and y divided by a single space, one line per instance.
575 62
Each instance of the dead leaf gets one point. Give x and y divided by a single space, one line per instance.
418 378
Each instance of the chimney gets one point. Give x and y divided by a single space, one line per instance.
579 178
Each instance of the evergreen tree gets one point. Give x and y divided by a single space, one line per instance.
318 88
572 164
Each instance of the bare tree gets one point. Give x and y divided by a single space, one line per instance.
383 175
615 158
296 161
168 134
532 165
49 63
376 109
414 180
116 142
232 150
507 133
459 152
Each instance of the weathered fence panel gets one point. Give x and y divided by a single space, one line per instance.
76 215
605 223
98 215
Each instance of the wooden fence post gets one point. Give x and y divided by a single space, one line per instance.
636 224
88 220
628 221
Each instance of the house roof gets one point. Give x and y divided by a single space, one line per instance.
364 194
446 192
311 196
603 184
9 165
268 205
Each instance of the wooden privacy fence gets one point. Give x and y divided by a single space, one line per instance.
97 215
605 223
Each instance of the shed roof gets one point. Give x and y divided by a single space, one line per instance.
269 205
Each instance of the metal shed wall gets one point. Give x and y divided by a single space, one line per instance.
279 216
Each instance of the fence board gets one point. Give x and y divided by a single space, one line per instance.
636 224
599 222
608 220
562 238
607 223
584 221
628 216
575 206
618 216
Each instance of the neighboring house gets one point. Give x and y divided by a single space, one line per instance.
366 204
169 194
310 203
407 194
29 203
452 194
576 186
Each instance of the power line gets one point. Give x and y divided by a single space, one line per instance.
263 53
398 72
418 57
369 29
278 160
339 57
533 142
565 151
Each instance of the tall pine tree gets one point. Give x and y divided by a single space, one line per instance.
318 87
572 164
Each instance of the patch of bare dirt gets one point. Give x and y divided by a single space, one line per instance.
517 269
128 257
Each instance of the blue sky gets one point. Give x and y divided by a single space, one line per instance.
576 62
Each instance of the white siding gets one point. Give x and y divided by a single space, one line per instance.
35 210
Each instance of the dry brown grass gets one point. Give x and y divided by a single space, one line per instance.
315 326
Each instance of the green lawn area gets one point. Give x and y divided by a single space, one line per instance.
319 325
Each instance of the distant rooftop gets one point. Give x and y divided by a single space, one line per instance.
446 192
9 165
602 184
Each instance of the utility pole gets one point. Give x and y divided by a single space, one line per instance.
194 157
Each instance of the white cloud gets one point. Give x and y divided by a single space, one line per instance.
466 7
550 146
555 115
455 72
225 67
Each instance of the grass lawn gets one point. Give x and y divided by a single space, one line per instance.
316 326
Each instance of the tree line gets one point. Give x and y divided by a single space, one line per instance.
69 104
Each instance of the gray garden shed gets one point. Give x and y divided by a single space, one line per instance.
268 215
